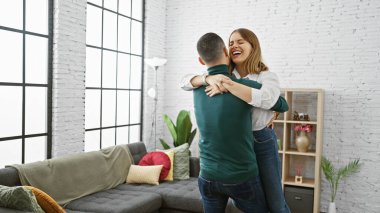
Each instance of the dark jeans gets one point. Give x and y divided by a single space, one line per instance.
247 196
266 149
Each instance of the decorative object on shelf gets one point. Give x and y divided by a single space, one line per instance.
155 63
279 144
333 176
298 177
181 132
302 140
300 116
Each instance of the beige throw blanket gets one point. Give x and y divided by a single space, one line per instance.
73 176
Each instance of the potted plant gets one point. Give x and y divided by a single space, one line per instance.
333 176
181 132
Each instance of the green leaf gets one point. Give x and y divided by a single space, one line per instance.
349 169
183 127
333 176
191 138
164 144
171 127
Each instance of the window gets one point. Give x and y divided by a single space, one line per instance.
114 75
25 81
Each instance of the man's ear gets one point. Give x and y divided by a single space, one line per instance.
201 61
225 51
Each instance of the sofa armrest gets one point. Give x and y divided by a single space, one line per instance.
194 167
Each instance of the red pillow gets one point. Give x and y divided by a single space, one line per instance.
157 158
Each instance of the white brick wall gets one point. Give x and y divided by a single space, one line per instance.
69 64
155 46
333 45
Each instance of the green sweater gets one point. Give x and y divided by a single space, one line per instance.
225 125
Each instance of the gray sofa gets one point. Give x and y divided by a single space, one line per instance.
169 197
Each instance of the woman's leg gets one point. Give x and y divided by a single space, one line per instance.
265 145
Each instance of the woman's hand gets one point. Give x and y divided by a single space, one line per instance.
271 123
216 84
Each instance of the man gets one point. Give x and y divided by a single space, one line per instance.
228 162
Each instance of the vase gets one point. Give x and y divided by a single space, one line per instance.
302 142
332 208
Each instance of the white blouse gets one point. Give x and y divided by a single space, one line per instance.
262 99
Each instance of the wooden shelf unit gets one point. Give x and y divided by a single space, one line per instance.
308 101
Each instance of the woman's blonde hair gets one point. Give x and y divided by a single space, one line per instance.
254 63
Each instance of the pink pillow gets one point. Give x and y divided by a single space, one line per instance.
157 158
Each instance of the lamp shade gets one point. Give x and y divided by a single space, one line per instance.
155 61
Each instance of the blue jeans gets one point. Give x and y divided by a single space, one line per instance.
247 196
266 149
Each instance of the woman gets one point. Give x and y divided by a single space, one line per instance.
246 62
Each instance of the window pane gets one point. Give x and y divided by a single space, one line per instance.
108 137
11 13
10 152
135 107
92 108
10 111
35 149
134 133
110 30
123 71
36 59
10 56
94 26
136 63
35 110
93 65
122 107
136 45
97 2
122 135
37 16
124 34
111 4
92 141
109 69
125 7
137 9
108 108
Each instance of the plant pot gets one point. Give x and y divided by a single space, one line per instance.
332 208
302 142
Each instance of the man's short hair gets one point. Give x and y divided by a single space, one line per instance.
210 47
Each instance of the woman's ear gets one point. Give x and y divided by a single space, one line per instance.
201 61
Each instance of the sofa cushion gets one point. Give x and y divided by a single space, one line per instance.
19 198
157 158
144 174
181 195
117 200
47 203
170 154
181 162
138 150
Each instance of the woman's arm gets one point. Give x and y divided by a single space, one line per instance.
248 90
191 82
269 94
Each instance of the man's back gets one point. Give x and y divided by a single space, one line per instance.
226 149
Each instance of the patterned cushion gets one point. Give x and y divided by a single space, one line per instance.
18 198
157 158
181 162
47 203
144 174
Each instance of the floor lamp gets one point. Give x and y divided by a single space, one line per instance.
155 63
